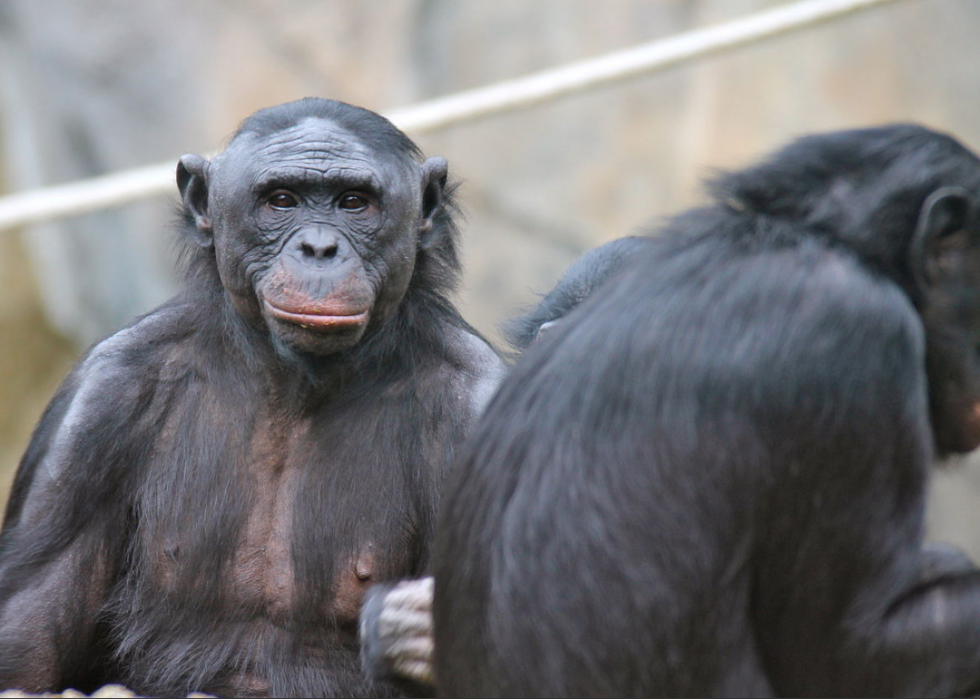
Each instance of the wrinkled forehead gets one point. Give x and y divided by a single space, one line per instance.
313 147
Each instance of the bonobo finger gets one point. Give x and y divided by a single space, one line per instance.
397 623
417 648
417 670
411 594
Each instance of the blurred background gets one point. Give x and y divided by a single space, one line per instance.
91 86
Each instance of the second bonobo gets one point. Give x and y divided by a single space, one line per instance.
710 478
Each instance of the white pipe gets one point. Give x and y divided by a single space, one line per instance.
120 188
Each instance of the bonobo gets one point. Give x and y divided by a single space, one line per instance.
710 478
212 489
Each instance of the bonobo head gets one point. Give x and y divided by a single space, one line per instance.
906 201
315 212
579 282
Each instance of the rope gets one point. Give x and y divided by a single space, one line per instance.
123 187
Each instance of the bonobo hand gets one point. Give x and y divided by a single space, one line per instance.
396 631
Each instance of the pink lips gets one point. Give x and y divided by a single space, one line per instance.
318 319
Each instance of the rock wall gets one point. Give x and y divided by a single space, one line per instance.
88 86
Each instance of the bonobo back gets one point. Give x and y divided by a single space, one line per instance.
710 479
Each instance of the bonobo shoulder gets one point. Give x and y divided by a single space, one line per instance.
826 299
841 287
833 316
126 364
478 367
140 344
107 400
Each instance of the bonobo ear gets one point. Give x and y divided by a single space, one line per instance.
192 181
435 172
943 234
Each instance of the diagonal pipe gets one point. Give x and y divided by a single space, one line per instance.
120 188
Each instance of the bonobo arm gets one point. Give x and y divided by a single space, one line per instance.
924 642
63 531
53 568
49 612
848 601
935 628
395 625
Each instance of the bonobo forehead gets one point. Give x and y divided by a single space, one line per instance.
313 149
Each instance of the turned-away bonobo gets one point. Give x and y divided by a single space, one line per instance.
710 478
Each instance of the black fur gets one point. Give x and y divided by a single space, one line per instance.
710 480
147 505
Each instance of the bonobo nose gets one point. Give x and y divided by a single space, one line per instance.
317 245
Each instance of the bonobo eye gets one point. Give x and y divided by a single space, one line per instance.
282 200
352 201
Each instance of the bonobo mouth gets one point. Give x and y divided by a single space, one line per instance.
317 318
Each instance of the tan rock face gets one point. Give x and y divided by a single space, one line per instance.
80 95
33 358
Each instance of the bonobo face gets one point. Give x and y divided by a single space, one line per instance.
315 233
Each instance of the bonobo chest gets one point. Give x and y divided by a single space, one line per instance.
295 520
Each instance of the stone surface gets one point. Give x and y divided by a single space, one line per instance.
88 86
